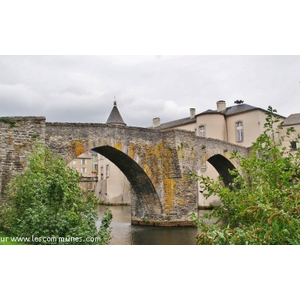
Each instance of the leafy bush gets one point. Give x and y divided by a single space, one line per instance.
261 205
46 202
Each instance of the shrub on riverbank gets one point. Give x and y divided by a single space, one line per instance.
262 204
47 206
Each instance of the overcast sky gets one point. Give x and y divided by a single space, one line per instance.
82 88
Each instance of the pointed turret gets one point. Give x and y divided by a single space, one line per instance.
115 117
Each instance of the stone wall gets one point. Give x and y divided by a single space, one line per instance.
88 184
17 138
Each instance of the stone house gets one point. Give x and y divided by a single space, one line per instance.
239 124
87 165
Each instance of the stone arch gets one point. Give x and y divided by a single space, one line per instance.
146 203
223 167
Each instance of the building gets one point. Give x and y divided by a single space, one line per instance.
86 164
292 122
112 187
238 124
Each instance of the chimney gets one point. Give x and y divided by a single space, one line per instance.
192 113
221 105
156 122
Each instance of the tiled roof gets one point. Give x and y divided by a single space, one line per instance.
115 117
238 109
87 154
229 111
293 119
209 111
176 123
232 110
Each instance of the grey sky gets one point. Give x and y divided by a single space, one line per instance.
82 88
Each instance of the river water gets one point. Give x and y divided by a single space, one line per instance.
126 234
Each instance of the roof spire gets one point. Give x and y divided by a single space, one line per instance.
115 116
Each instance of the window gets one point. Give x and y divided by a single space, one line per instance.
294 145
74 162
83 170
202 130
107 171
101 173
83 161
239 131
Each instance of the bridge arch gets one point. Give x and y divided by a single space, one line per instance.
145 201
223 166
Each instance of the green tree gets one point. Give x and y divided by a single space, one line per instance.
46 205
261 205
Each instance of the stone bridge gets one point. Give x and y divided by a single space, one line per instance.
156 163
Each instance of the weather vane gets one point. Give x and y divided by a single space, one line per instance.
239 101
115 101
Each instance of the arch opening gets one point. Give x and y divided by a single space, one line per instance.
223 167
145 201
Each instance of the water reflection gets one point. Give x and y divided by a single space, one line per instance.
126 234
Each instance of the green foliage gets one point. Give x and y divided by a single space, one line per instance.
261 205
9 121
47 206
